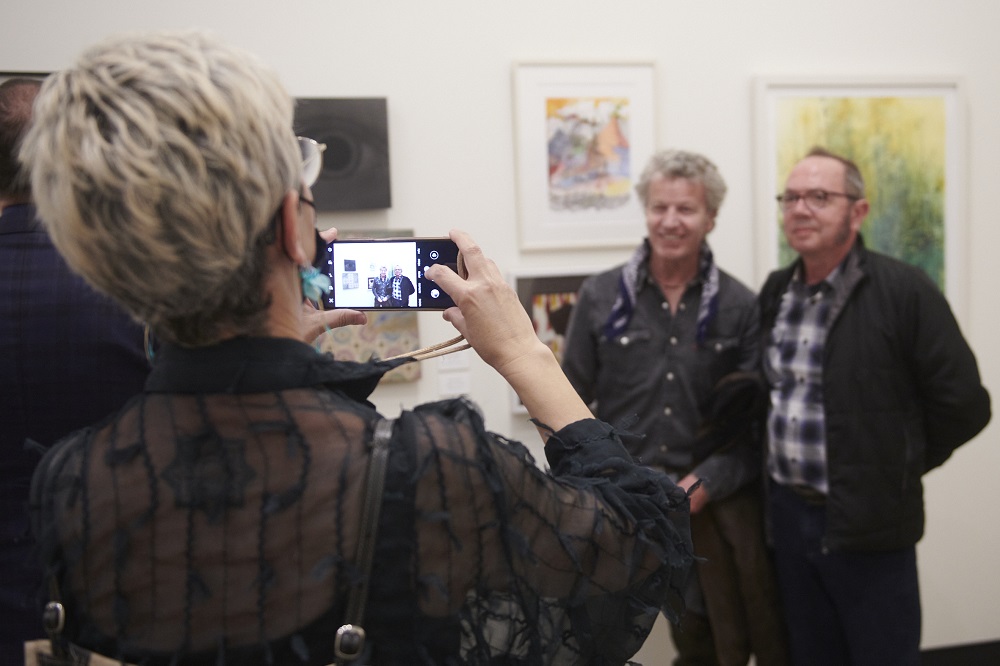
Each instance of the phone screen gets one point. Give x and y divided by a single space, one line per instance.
373 274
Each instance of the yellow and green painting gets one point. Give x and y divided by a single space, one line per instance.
899 144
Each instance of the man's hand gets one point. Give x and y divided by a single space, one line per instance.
699 498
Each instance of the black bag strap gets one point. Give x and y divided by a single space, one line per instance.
54 620
349 643
60 651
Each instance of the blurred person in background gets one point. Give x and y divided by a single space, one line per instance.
69 356
872 385
668 344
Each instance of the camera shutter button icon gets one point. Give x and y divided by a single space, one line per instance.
435 254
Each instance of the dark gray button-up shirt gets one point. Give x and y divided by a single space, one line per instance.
657 374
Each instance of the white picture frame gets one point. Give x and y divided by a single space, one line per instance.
583 133
900 131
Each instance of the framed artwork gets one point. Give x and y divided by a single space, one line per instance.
28 75
548 299
907 137
355 131
7 75
583 133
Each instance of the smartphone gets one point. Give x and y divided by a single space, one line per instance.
388 273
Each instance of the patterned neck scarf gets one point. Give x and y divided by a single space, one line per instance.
628 285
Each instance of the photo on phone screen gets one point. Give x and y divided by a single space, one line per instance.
388 273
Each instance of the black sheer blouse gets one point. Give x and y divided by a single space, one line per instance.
214 520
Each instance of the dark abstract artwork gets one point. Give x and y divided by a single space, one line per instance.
355 173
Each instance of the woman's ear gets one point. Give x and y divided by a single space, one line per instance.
291 241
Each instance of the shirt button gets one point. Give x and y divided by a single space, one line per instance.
668 411
670 376
663 448
682 307
625 340
673 340
718 346
664 305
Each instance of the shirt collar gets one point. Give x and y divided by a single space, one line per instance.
258 365
831 282
18 219
644 277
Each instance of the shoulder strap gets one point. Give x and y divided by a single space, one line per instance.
350 641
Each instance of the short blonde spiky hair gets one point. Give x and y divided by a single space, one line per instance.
158 162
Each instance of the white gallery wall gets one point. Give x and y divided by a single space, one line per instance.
445 68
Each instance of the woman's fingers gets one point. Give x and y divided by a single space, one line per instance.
315 321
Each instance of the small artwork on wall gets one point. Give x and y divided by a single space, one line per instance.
583 135
386 334
25 75
355 174
549 300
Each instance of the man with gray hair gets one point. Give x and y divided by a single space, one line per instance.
665 346
382 288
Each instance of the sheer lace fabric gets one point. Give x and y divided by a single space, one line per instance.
220 526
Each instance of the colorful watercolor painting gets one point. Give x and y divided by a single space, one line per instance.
386 334
583 133
907 139
588 153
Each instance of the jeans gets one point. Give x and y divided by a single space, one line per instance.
842 607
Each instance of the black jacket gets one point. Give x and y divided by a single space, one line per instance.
901 391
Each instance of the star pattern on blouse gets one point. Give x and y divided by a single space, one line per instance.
209 473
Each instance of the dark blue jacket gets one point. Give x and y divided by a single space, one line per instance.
68 357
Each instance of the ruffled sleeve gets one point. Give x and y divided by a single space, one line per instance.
567 566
